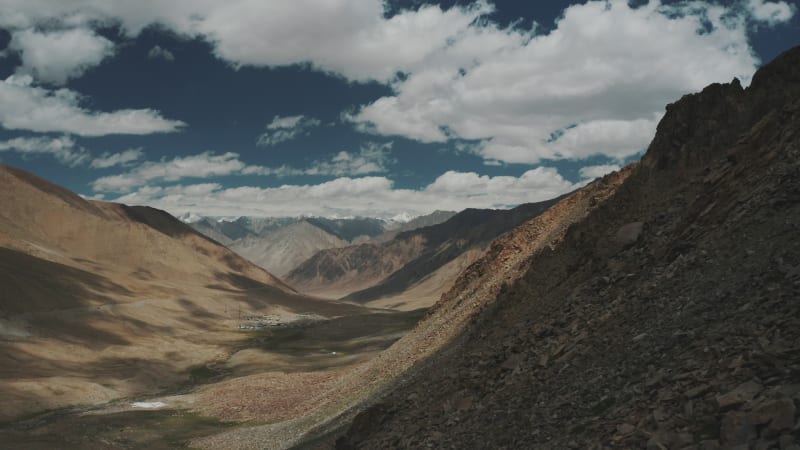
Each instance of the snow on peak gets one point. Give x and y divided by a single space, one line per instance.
190 217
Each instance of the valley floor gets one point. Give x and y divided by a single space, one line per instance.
271 384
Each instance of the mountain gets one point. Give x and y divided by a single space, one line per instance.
664 316
393 229
372 271
279 244
101 300
282 249
350 229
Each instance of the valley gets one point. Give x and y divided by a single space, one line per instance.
267 376
645 300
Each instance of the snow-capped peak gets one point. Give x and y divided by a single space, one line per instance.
190 217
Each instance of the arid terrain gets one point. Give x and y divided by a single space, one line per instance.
655 307
107 303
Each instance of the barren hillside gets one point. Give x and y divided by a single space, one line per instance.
101 300
374 271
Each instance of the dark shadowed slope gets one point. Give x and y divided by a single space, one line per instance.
667 318
370 271
472 228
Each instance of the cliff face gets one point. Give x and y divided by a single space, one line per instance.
667 317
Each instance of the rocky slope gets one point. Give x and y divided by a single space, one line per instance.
370 271
471 229
666 318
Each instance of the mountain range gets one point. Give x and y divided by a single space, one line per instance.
412 269
281 244
656 307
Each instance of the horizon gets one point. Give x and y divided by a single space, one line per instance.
357 108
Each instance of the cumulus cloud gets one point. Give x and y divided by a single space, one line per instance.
352 38
372 158
56 56
596 84
158 52
24 106
365 196
63 148
771 13
283 129
107 160
202 165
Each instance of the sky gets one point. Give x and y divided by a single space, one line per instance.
340 108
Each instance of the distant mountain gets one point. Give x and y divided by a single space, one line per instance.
222 232
282 249
350 229
281 244
394 229
371 271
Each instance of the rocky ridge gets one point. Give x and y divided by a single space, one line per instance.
666 318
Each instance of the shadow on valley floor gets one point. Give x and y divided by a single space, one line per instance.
257 295
316 346
159 429
324 345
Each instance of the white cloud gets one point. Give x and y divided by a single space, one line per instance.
279 122
283 129
771 13
371 158
24 106
348 37
117 159
601 77
203 165
56 56
596 84
365 196
62 148
592 172
158 52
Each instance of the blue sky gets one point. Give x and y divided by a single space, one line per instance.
356 107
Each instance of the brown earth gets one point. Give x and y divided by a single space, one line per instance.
102 300
332 403
666 318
